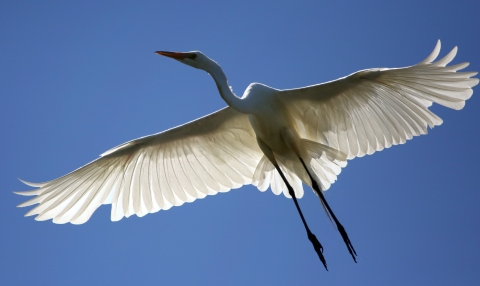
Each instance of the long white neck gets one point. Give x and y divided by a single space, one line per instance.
226 93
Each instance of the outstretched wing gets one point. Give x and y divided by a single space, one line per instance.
374 109
212 154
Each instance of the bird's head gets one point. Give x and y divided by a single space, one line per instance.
194 59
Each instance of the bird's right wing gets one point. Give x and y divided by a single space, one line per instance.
374 109
212 154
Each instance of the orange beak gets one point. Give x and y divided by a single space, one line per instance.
175 55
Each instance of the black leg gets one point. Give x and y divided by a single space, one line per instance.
340 228
313 239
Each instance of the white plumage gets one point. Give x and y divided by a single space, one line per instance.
356 115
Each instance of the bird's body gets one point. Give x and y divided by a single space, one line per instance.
268 138
270 123
270 118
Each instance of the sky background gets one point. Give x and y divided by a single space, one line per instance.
77 78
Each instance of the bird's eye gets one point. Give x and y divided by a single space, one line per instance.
193 56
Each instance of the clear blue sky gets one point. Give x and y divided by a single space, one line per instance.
77 78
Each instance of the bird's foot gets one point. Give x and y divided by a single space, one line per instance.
349 245
331 215
318 248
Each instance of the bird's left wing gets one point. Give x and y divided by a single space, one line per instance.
212 154
374 109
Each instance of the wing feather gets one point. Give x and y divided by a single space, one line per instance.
99 195
203 174
181 176
184 179
155 183
197 183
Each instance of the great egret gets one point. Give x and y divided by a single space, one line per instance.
268 137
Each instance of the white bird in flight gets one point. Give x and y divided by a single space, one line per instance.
268 137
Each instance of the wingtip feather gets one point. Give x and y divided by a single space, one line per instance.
28 193
433 55
474 82
446 59
34 185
